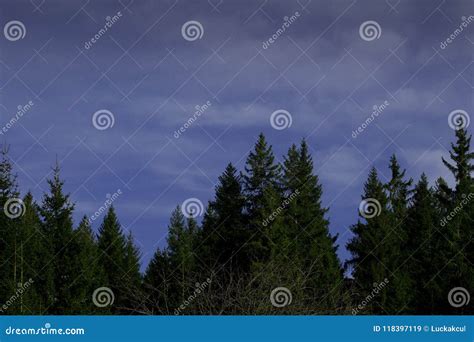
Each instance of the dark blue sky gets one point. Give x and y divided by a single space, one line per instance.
320 70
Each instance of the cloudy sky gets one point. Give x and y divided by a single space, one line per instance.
156 61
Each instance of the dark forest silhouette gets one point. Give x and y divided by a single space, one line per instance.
265 228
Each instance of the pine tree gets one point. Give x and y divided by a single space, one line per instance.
11 208
88 269
132 278
463 167
370 247
112 252
157 283
181 244
29 250
310 244
56 211
400 289
459 220
423 251
261 183
223 234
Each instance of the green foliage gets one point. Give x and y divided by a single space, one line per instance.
265 228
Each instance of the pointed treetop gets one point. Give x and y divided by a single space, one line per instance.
462 157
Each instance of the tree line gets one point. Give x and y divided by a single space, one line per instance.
263 247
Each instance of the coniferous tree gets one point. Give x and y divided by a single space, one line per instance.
89 271
157 283
223 233
11 208
56 211
112 251
132 278
459 220
261 180
423 250
398 192
181 245
29 251
369 247
312 246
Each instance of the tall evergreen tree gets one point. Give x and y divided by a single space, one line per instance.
88 269
460 217
312 246
157 283
56 211
423 251
29 250
398 192
9 204
181 248
369 247
132 278
261 182
112 250
223 233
